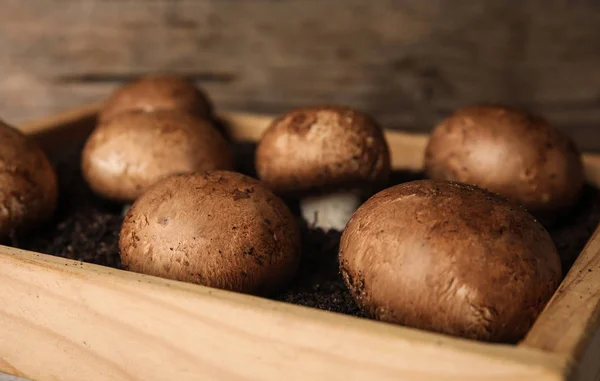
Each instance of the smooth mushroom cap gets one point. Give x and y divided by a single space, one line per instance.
322 147
509 152
450 258
157 92
28 183
132 151
220 229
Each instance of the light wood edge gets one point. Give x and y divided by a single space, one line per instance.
408 148
61 120
591 163
63 319
572 317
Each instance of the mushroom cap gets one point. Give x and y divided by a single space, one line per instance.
157 92
220 229
509 152
322 147
28 183
450 258
126 155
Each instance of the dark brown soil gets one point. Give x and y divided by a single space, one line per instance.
86 228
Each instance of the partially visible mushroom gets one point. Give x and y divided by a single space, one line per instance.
510 152
219 229
329 157
28 183
157 92
132 151
450 258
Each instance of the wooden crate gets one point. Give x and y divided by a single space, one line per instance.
66 320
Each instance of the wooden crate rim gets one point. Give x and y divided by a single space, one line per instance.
45 297
412 142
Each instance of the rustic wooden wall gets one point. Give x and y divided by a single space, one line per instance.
407 61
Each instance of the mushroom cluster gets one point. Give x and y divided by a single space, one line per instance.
442 254
439 255
156 145
149 129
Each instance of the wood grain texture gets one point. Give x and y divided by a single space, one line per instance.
408 62
570 323
65 320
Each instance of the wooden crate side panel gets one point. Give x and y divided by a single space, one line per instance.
570 323
68 320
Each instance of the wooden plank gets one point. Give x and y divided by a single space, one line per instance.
68 127
570 323
68 320
72 118
408 62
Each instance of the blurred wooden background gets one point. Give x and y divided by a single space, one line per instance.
409 62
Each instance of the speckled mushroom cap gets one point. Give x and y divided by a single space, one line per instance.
126 155
157 92
322 147
28 184
450 258
510 152
220 229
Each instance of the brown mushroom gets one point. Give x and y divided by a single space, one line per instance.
328 156
157 92
126 155
220 229
450 258
28 184
507 151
